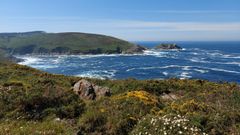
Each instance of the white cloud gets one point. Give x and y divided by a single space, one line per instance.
187 11
124 24
178 26
129 29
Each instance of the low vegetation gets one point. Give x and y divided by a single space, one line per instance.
35 102
61 43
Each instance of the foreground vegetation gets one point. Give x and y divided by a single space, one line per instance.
35 102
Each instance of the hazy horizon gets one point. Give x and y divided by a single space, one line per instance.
145 20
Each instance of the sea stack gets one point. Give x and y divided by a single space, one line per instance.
168 47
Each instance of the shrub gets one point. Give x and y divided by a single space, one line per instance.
166 125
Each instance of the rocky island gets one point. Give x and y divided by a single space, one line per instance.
39 42
168 47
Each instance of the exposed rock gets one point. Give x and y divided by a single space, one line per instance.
84 89
168 47
9 88
135 49
57 119
89 91
169 96
101 91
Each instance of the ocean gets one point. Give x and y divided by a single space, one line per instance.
213 61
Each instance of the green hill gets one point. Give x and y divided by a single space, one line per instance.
35 102
64 43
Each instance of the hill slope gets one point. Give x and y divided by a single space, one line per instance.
63 43
35 102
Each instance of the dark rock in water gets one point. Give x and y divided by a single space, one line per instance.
135 49
168 47
89 91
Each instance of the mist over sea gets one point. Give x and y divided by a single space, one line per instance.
214 61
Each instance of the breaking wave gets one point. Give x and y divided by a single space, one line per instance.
152 64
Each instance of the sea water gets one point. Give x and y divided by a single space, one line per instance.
214 61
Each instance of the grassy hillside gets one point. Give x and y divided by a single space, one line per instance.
4 56
61 43
35 102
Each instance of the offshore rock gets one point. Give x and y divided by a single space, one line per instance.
136 49
168 47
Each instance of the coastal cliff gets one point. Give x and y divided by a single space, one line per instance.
39 42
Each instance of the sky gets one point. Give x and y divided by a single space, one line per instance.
132 20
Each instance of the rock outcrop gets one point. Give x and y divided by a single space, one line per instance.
168 47
87 90
135 49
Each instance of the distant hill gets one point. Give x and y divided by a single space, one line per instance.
39 42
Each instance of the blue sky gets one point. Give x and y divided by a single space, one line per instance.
133 20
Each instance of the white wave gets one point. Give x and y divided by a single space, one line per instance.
98 74
130 69
161 67
91 75
231 57
28 60
197 60
186 68
105 55
56 59
195 49
149 52
223 70
165 73
233 63
220 54
215 54
201 71
184 75
44 66
194 53
155 53
229 63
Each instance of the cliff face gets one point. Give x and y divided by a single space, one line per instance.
63 43
4 57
